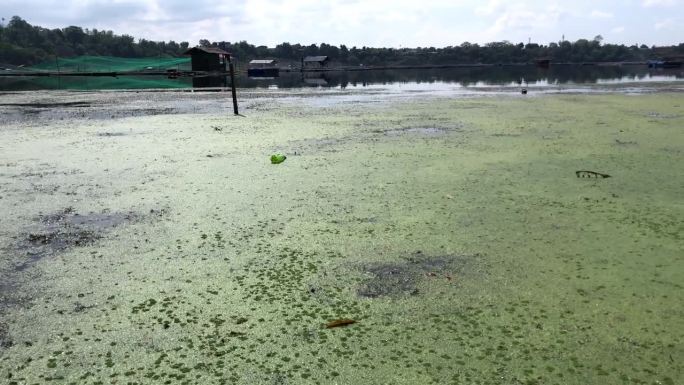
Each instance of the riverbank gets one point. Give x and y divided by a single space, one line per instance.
454 231
178 73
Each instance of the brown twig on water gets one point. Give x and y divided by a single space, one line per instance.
339 322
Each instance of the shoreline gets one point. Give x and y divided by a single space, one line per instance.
288 69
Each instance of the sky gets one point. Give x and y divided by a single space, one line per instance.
371 23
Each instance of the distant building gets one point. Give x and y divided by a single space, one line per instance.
315 61
208 59
263 63
263 68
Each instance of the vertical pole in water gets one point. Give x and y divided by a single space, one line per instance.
59 76
232 85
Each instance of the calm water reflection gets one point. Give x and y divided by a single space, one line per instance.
460 77
472 77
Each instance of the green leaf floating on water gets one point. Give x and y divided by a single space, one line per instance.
278 158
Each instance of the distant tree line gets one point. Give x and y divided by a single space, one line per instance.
22 43
503 52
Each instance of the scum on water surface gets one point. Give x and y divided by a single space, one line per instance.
454 232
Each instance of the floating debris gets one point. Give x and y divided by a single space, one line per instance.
277 158
339 322
628 143
590 174
79 307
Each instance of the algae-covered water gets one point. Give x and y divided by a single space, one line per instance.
455 232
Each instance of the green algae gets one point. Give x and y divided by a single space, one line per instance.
575 281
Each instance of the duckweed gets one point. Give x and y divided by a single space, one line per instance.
470 255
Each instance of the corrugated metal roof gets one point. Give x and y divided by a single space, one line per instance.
215 50
263 61
315 58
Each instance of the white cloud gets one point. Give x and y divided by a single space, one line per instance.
492 7
407 23
521 17
596 14
617 30
659 3
665 24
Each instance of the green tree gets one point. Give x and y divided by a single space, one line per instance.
22 43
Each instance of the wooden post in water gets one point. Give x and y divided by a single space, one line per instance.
232 85
59 75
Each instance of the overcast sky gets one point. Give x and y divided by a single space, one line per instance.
390 23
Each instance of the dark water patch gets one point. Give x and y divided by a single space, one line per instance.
312 146
389 280
424 131
108 113
5 340
657 115
420 131
47 173
671 150
58 232
102 112
403 278
51 235
47 105
80 308
59 241
309 146
10 295
326 142
619 142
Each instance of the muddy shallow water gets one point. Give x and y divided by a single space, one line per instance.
164 247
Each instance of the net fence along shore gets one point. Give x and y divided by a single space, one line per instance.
112 64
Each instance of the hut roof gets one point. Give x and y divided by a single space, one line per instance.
263 61
315 58
214 50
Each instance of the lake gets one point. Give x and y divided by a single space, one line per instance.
435 79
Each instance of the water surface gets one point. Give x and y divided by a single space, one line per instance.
475 77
